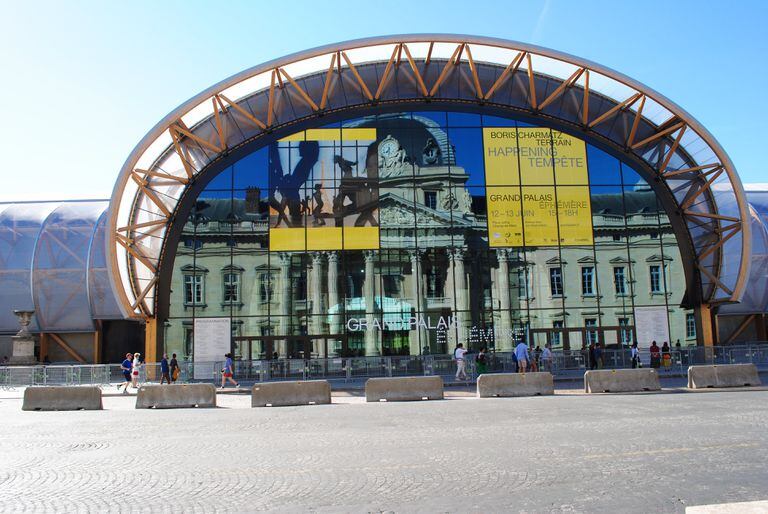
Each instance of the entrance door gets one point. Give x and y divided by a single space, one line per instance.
254 347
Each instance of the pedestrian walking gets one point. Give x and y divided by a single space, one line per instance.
175 370
227 371
165 370
635 355
546 358
521 352
655 355
126 367
135 369
481 362
458 355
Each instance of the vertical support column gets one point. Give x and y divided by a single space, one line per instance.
418 336
43 346
503 337
96 343
760 327
333 292
150 346
705 334
317 300
371 345
460 290
285 302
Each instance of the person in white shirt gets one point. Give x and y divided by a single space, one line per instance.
521 352
546 358
458 355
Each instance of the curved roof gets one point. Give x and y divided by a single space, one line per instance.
52 261
686 164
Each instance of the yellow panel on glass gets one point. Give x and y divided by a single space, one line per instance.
500 148
334 134
505 224
574 213
570 160
287 239
361 238
540 216
324 238
535 155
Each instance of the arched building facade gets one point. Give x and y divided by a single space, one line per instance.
398 195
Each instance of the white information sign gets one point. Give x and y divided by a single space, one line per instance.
651 325
212 340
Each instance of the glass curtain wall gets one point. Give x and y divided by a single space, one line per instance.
405 234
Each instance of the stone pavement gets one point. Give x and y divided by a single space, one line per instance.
566 453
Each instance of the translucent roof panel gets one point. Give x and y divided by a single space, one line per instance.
755 298
59 270
103 302
20 226
48 264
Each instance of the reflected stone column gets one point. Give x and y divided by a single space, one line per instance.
285 302
418 336
371 346
460 290
317 300
333 292
504 335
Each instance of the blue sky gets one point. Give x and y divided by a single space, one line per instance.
82 81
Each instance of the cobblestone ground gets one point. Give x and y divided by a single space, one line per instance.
567 453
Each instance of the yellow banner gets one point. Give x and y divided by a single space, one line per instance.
535 156
553 204
505 224
333 134
540 216
570 160
317 187
574 215
500 148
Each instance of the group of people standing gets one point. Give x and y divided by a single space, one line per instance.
659 356
525 359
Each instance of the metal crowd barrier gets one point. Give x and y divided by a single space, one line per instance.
564 363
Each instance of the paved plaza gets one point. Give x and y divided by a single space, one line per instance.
567 453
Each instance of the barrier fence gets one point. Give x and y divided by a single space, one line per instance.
564 364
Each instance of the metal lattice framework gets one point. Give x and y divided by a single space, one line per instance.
682 160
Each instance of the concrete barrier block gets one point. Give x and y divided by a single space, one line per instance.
403 389
62 398
281 394
176 396
515 384
723 375
621 380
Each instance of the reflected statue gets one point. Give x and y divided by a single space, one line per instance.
450 202
317 210
288 185
357 195
391 157
431 153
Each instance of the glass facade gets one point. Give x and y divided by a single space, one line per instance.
405 234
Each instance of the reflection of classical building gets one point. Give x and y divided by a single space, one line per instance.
434 281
